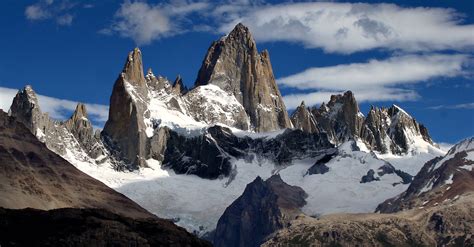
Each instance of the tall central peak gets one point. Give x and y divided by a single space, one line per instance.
133 68
234 64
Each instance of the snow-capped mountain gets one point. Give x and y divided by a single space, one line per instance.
187 154
441 179
386 130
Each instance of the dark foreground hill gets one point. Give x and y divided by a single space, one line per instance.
88 227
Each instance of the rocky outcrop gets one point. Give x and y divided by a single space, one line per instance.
234 64
263 208
304 120
369 177
88 227
319 166
448 224
441 179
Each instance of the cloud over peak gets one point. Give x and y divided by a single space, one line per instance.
352 27
375 80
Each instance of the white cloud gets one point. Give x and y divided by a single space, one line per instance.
36 12
65 20
60 109
393 71
375 80
50 9
145 22
455 106
352 27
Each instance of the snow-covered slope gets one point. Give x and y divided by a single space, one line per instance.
197 203
440 179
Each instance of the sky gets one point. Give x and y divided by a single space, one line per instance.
416 54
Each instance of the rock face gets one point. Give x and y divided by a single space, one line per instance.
393 130
125 126
340 118
448 224
88 227
441 179
33 176
209 155
234 64
304 120
263 208
75 135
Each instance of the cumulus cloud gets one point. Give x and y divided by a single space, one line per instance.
375 80
59 109
50 9
352 27
145 22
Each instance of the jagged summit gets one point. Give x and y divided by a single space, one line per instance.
80 112
304 120
234 64
26 109
72 139
133 68
178 86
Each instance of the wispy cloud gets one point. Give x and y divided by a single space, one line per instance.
362 95
145 22
392 71
352 27
455 106
59 11
375 80
60 109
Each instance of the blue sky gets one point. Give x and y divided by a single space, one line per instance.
416 54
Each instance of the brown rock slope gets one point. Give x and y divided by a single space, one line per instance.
263 208
448 224
33 176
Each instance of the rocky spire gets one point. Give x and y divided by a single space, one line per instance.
178 86
79 125
234 64
340 118
303 119
125 127
133 68
25 108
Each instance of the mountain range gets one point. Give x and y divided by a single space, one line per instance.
226 161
